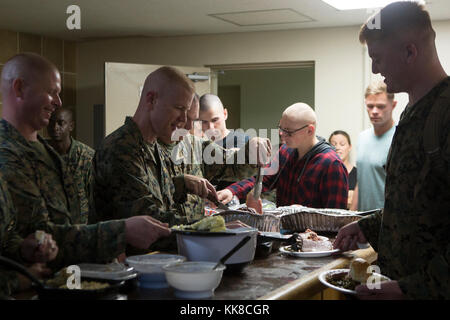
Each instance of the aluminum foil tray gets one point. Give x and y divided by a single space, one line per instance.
298 218
269 221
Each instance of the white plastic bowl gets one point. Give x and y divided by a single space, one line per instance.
194 279
213 246
149 268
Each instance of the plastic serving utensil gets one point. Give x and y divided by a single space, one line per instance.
232 251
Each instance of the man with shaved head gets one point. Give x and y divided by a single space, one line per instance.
213 116
411 232
45 197
310 172
131 176
77 156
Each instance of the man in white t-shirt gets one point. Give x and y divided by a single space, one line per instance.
373 148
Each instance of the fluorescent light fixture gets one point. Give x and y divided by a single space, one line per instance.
360 4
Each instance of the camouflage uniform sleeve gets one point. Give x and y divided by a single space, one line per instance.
10 241
431 283
223 164
370 227
123 190
95 243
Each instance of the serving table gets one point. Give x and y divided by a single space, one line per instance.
276 277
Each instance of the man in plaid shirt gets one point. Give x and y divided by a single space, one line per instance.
310 173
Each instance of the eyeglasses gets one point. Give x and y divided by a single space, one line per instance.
290 133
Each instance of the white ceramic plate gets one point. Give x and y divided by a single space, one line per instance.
323 278
312 254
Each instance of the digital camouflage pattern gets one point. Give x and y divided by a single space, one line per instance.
186 157
131 179
9 241
45 198
79 164
411 234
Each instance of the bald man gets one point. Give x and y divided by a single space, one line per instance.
310 172
131 176
45 197
411 233
77 156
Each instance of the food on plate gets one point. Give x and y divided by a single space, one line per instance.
342 280
309 241
211 224
60 281
358 270
358 274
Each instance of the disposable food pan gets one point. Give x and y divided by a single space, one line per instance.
268 221
298 219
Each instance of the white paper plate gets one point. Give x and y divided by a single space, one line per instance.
312 254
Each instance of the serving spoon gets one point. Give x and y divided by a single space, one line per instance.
232 251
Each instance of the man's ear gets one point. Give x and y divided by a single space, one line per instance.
225 113
394 103
311 129
150 98
18 86
411 53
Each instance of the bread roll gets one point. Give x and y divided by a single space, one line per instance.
358 270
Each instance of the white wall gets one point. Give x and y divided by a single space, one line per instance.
341 64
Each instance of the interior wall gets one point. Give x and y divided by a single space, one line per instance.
265 93
342 67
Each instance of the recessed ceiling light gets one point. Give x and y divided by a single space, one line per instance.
360 4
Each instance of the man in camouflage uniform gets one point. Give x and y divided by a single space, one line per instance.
411 233
76 155
43 193
131 175
15 247
186 157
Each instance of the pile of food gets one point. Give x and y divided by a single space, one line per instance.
210 224
309 241
357 275
60 281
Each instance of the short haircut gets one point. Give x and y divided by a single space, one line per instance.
345 134
27 66
378 87
397 18
208 100
172 75
68 110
